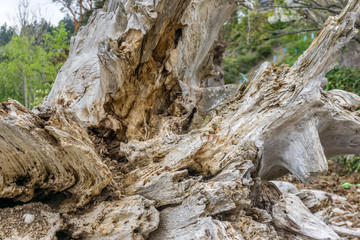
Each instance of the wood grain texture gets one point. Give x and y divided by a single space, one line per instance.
191 162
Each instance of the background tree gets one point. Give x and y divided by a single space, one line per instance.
280 32
28 69
69 25
80 10
6 34
97 4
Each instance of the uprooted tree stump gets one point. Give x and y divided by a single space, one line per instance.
129 146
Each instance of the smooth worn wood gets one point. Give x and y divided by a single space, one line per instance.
187 162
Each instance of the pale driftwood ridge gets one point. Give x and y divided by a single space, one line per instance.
128 122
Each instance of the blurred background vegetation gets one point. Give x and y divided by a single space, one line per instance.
278 31
33 52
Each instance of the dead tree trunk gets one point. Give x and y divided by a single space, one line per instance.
129 146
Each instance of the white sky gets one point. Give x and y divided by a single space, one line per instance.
40 8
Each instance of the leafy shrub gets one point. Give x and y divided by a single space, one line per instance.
264 51
350 162
296 45
27 69
254 48
274 42
347 79
235 66
246 62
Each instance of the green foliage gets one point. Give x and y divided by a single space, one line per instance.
235 31
241 62
278 25
242 55
264 51
296 45
237 65
244 42
349 185
27 69
57 46
69 25
347 79
36 29
245 51
6 34
351 163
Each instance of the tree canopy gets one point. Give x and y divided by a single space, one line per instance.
28 69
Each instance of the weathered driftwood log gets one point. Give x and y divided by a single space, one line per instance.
143 66
42 157
201 157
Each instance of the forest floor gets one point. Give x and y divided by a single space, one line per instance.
341 212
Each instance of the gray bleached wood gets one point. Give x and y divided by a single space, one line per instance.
285 187
290 214
346 232
126 75
134 76
131 218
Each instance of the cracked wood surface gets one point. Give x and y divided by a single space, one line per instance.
42 157
189 162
